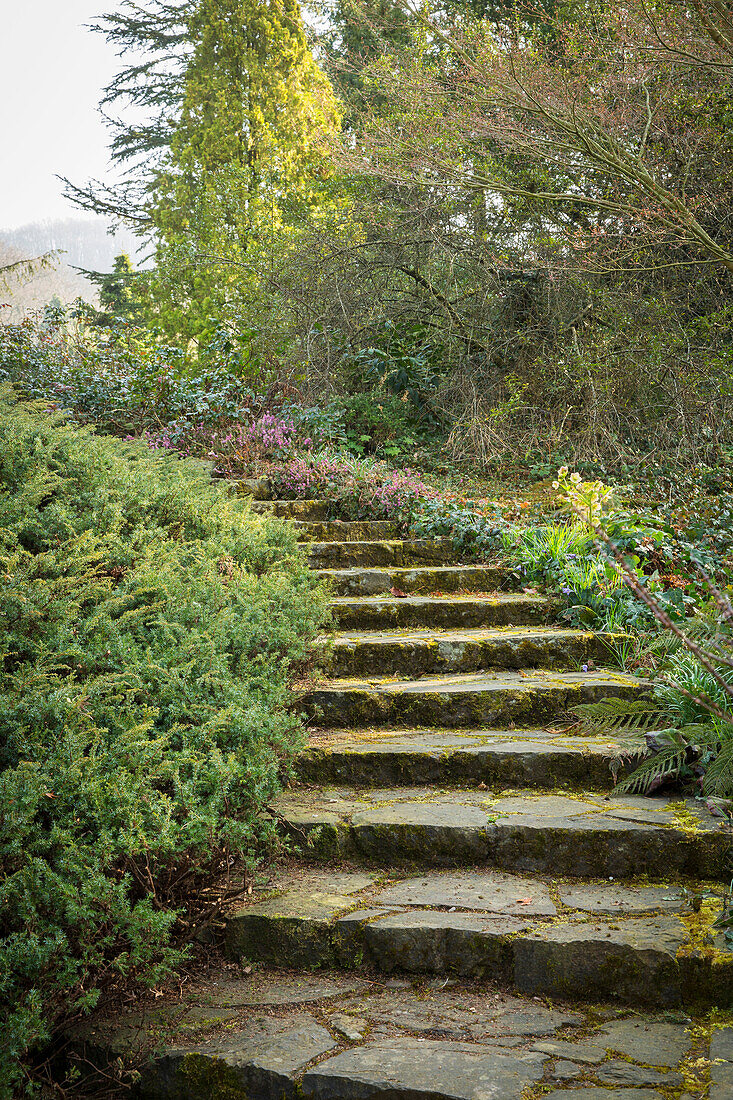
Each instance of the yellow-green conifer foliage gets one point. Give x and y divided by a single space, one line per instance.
247 158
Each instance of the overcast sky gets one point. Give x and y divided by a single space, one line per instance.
52 70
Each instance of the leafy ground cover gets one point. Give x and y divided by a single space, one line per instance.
149 626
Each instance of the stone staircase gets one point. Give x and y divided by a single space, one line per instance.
471 917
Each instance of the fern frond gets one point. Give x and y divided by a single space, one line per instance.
619 716
718 779
651 771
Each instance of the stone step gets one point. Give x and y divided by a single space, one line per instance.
295 509
440 578
329 1036
439 612
497 758
487 699
579 835
258 488
396 552
338 530
640 944
415 653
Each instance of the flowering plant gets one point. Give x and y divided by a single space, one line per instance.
590 500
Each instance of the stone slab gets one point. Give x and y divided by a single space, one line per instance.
625 1073
585 1053
531 758
635 960
721 1081
577 836
434 612
395 552
721 1071
469 700
621 899
423 1070
721 1044
487 892
261 1060
467 944
652 1042
440 578
416 653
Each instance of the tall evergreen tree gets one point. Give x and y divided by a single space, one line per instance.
246 163
235 106
254 107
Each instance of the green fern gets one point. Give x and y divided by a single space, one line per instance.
612 716
660 766
669 760
718 780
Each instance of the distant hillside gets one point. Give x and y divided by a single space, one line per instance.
25 291
85 241
81 242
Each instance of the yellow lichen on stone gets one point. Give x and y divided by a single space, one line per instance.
685 820
698 923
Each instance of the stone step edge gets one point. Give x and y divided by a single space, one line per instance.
412 653
436 543
492 680
468 701
501 759
449 599
377 580
417 635
608 848
634 960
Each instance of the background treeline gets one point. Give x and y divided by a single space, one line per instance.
513 218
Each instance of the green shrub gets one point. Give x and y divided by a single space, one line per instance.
148 627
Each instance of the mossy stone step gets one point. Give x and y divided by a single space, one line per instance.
486 699
295 509
415 653
258 488
338 530
327 1036
579 835
582 941
424 579
496 758
396 552
439 612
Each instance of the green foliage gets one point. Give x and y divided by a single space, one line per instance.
244 162
618 716
124 380
545 552
473 533
148 626
121 293
683 733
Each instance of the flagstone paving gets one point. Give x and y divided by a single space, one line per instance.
336 1036
473 915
